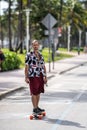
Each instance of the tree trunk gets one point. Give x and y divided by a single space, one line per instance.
9 27
30 34
21 27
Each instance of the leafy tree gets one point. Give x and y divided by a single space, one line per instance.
76 17
69 12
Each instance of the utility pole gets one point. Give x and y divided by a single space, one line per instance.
79 46
27 28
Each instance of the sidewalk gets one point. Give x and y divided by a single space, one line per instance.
14 80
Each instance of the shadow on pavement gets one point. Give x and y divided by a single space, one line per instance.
64 122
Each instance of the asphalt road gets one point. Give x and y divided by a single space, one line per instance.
65 102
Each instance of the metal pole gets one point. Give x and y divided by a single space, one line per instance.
79 42
68 38
86 38
49 44
27 29
80 37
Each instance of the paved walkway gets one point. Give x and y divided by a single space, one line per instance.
14 80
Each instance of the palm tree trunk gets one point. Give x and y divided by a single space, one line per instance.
29 6
9 26
21 27
61 4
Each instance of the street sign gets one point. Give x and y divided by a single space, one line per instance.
47 32
49 21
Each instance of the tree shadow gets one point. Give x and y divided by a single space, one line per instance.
63 122
66 96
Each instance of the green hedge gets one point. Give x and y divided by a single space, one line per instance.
11 62
77 48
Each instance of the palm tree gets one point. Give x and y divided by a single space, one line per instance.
9 26
7 23
75 16
21 25
30 34
19 44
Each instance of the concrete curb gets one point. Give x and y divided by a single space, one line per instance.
62 72
10 91
6 93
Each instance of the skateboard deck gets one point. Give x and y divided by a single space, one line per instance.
37 116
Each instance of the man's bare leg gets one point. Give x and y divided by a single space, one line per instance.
35 100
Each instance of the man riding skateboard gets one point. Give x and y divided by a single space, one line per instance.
35 75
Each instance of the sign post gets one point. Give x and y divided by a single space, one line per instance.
79 46
69 28
49 21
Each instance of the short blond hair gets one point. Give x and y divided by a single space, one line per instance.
34 41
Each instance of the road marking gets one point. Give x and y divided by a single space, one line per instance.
66 112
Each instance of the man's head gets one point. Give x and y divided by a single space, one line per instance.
35 45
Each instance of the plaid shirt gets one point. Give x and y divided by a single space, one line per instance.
36 66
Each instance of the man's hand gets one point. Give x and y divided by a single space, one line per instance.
45 79
27 80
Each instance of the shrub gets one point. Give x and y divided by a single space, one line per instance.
12 61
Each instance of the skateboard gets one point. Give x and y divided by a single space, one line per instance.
37 116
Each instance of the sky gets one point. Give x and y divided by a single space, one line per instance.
3 5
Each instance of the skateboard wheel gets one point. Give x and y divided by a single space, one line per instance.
40 117
31 117
44 113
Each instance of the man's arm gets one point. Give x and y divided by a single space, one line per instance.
26 73
45 69
45 76
26 70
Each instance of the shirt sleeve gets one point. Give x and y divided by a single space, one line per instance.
27 58
42 60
